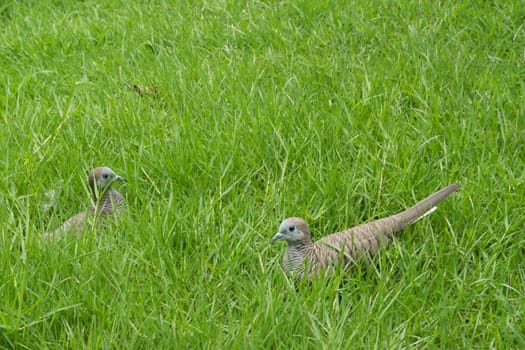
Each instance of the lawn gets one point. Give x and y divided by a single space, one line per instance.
335 111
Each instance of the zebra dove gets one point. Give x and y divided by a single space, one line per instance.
303 256
106 202
144 90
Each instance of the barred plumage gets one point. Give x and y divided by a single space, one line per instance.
302 255
106 202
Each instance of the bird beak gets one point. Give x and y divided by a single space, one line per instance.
119 179
277 237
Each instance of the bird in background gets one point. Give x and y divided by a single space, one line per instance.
305 257
106 201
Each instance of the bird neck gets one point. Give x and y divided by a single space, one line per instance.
297 253
109 202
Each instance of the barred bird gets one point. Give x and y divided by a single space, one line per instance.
305 257
106 202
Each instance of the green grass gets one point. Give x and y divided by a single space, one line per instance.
336 111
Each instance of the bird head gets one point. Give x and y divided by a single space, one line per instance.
100 180
293 230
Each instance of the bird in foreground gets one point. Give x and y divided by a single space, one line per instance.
305 257
106 201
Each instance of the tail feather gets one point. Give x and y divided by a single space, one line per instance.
426 206
433 209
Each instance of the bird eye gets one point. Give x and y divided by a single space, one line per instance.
291 228
105 176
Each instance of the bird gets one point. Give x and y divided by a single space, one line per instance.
106 202
303 257
144 90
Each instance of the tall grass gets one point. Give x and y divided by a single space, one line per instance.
334 111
